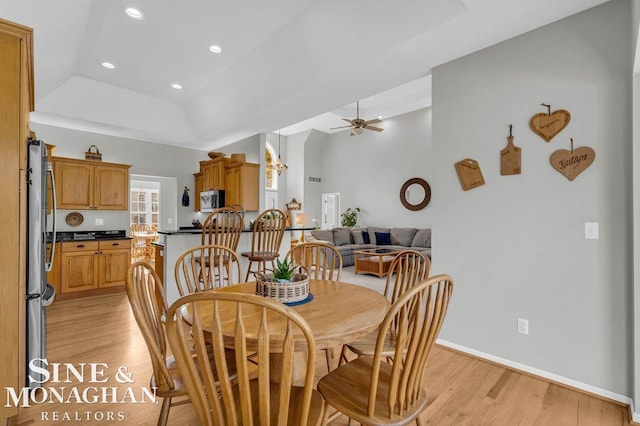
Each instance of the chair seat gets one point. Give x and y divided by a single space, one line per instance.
216 259
261 255
178 389
316 409
366 345
347 389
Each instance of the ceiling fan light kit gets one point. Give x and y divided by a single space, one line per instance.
357 124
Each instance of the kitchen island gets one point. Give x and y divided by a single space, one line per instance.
177 242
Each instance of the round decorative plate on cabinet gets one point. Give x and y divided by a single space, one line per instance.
74 219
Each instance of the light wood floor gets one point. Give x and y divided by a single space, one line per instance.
463 390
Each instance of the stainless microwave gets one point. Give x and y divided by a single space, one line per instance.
211 200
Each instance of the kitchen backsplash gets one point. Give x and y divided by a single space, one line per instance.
110 220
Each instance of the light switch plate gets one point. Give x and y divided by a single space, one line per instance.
591 231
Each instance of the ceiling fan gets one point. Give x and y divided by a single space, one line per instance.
358 124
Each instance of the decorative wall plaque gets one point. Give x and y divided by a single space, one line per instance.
469 174
550 124
572 163
510 157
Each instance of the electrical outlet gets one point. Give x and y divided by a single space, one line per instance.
169 221
99 221
523 326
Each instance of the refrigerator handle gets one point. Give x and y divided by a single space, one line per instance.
49 263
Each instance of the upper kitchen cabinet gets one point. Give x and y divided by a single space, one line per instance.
241 185
91 185
213 173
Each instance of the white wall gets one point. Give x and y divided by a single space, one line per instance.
368 170
146 158
515 246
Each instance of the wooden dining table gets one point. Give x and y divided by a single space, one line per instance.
339 313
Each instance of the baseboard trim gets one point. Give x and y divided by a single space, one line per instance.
599 392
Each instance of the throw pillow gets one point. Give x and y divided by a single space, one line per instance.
383 239
341 236
373 230
356 236
365 237
402 236
422 238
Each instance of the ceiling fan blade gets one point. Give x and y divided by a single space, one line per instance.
375 120
347 120
341 127
377 129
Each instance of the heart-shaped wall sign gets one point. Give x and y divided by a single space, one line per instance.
572 163
548 125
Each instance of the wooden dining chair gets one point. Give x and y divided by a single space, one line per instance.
408 268
206 267
259 325
322 261
268 230
138 244
223 227
374 392
146 297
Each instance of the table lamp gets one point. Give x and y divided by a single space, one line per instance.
301 220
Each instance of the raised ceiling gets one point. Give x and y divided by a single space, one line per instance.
286 64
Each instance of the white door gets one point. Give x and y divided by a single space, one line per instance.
330 210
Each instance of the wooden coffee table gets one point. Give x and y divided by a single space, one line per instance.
374 261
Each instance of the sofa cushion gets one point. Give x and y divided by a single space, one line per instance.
323 234
422 238
341 236
403 236
356 235
383 238
365 237
372 233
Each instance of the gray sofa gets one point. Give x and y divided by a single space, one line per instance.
348 240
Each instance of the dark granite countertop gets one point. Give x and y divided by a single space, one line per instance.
187 231
88 236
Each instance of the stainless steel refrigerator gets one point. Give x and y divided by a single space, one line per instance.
40 294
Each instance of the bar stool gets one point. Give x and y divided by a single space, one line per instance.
268 230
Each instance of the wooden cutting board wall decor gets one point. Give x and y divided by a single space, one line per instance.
510 157
469 174
550 124
572 163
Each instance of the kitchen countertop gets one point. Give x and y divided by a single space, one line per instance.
88 236
199 230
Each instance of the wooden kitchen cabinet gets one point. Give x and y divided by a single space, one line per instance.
90 265
113 262
16 103
241 185
197 178
91 185
213 173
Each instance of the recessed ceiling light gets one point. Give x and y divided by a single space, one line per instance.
108 65
177 86
134 13
379 117
215 48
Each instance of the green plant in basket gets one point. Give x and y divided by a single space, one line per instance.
283 271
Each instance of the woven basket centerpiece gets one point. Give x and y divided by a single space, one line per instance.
295 288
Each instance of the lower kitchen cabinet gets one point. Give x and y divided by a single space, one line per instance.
90 265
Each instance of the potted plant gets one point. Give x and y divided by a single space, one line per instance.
350 217
283 273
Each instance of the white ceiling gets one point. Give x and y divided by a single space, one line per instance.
284 64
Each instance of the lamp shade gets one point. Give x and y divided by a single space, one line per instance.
302 219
